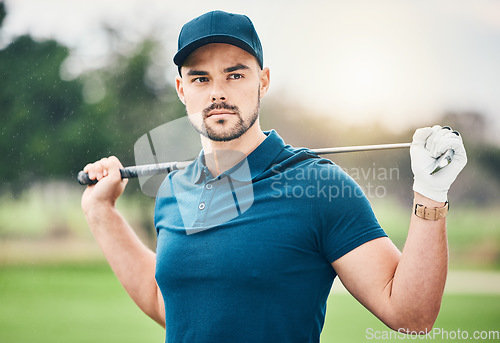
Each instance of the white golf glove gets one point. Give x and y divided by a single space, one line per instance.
429 143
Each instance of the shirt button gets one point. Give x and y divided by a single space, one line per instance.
201 206
208 186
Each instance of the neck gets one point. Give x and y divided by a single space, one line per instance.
221 156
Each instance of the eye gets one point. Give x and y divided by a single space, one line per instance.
235 76
201 79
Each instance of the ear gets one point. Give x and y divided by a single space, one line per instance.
179 87
265 79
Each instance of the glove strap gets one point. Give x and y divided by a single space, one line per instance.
433 213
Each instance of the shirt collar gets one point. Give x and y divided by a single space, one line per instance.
262 157
257 161
197 169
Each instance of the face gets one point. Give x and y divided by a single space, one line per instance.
221 86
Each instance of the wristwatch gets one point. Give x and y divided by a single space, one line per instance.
430 213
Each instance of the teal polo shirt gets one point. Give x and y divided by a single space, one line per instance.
246 256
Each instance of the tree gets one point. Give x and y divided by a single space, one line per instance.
3 13
132 104
51 130
35 105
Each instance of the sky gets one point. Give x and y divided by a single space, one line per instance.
397 62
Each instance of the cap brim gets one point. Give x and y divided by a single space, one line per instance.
182 54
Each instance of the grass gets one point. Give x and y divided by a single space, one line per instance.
347 321
85 303
69 303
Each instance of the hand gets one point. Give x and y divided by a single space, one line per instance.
110 185
427 146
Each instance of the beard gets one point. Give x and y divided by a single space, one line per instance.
222 130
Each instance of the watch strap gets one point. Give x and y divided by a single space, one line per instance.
430 213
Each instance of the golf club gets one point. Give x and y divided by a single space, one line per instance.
167 167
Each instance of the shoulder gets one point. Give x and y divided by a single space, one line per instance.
323 183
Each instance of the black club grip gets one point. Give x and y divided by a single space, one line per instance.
136 171
126 173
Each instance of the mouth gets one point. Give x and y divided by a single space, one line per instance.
217 113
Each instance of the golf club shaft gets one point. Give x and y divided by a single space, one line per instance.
167 167
339 150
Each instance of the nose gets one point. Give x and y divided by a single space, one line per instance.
222 98
218 93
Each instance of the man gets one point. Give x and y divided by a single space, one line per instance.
258 267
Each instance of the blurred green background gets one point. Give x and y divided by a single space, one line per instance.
54 283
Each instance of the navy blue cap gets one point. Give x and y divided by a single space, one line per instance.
218 27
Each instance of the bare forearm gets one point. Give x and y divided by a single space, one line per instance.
419 279
132 262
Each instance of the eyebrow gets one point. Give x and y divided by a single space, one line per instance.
235 68
194 72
